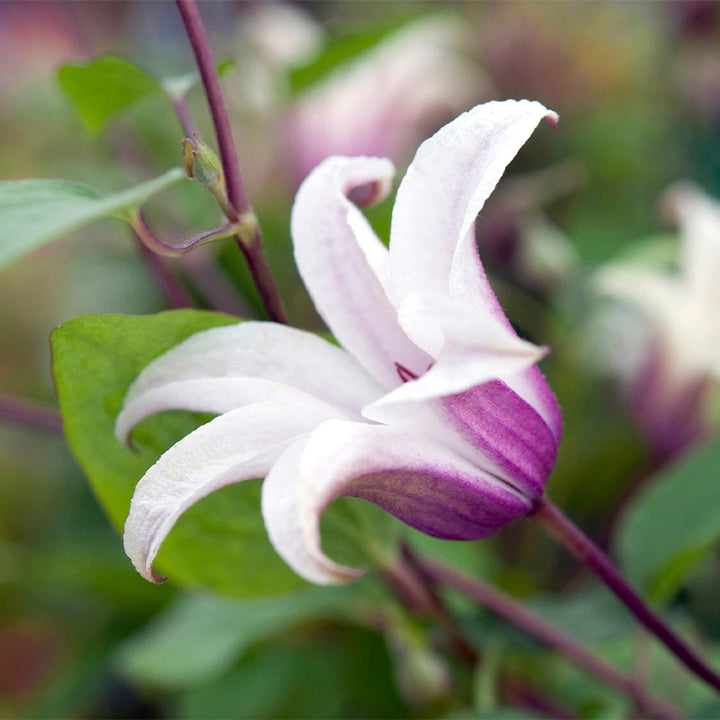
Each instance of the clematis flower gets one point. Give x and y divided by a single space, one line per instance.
672 362
432 408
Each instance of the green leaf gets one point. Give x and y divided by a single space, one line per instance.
673 524
102 88
37 212
201 636
220 543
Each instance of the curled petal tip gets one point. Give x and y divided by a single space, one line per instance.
553 118
155 578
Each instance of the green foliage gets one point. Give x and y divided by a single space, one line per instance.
345 673
34 213
201 636
221 542
104 87
673 524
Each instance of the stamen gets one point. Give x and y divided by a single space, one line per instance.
404 374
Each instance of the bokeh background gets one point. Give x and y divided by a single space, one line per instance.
637 88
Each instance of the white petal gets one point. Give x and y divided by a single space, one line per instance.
699 219
293 530
212 395
420 481
346 268
432 245
471 348
263 350
239 445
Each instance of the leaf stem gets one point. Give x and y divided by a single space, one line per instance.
553 521
31 414
251 245
537 627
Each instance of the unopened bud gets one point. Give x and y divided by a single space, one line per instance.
203 165
201 162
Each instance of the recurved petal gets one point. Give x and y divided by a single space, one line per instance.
211 395
432 241
423 483
239 445
346 268
263 350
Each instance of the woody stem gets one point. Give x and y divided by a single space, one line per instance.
553 521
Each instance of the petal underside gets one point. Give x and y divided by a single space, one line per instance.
420 481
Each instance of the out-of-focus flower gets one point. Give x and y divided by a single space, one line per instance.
671 365
516 238
432 408
383 102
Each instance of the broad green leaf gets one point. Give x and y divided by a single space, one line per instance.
220 543
34 213
672 524
104 87
201 636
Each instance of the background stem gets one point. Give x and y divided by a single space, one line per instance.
34 415
589 554
412 589
537 627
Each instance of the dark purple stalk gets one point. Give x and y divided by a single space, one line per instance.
535 626
221 119
589 554
30 414
251 246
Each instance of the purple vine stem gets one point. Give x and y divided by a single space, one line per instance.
249 243
553 521
30 414
220 117
537 627
412 588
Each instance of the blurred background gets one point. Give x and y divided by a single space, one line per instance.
637 88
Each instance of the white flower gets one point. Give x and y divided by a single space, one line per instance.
676 357
432 408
